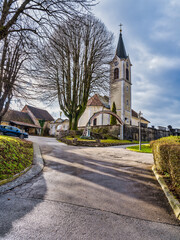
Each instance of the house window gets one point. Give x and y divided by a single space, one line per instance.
116 73
127 74
95 122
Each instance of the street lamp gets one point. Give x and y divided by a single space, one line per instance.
139 115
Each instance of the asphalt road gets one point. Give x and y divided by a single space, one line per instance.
88 193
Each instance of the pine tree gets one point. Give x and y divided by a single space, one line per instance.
113 120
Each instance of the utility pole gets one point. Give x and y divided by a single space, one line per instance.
140 114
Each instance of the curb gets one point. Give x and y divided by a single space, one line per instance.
27 174
175 204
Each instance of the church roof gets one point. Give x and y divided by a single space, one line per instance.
135 114
97 100
121 51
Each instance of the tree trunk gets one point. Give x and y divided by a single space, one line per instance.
74 125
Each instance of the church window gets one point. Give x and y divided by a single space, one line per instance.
127 88
127 103
127 74
95 122
116 73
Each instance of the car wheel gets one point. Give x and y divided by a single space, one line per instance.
1 133
21 136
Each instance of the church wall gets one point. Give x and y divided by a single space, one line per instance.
102 119
135 121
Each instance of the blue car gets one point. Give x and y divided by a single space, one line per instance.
12 131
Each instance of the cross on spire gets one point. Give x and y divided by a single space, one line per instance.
120 27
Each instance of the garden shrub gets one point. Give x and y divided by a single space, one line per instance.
166 152
174 164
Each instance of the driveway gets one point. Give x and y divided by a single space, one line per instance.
88 193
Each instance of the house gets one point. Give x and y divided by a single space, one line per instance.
30 119
21 120
40 117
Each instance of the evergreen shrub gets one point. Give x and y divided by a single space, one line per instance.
166 152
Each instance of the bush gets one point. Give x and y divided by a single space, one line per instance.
166 152
174 165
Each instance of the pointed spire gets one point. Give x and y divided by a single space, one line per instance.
121 51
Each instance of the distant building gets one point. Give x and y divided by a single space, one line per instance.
58 125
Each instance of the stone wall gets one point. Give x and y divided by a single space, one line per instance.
132 132
147 134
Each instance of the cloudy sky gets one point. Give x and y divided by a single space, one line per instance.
151 33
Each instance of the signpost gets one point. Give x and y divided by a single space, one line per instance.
139 115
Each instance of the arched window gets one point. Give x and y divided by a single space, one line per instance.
116 73
127 103
127 74
95 122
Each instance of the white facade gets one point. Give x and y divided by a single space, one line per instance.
102 119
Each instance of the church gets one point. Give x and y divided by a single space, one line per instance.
120 93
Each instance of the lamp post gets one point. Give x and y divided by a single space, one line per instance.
139 115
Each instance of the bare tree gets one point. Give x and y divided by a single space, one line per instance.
17 19
13 54
27 15
74 63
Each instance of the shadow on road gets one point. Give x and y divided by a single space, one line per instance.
16 203
135 182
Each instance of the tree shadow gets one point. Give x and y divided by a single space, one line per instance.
135 182
17 203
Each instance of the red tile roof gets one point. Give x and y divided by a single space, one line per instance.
98 100
94 101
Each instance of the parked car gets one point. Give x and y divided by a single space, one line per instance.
12 131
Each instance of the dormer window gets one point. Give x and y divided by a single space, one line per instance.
116 73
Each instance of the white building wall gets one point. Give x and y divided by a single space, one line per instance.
90 110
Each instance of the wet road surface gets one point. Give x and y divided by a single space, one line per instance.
88 193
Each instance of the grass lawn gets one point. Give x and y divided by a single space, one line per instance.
104 140
115 141
15 156
144 148
80 139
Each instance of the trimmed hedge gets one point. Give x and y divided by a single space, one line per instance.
166 152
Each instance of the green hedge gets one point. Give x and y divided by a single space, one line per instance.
166 152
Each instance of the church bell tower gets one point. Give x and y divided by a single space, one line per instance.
120 82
